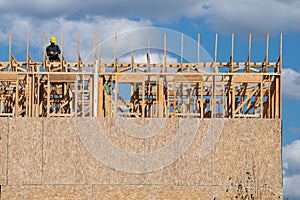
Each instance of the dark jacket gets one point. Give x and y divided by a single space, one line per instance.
55 49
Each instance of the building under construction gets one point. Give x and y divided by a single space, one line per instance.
114 130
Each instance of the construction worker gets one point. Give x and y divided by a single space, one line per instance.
53 50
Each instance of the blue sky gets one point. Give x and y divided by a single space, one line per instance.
190 17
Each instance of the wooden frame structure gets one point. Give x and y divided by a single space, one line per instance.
153 90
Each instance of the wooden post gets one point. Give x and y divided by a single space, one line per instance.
100 97
76 95
116 98
28 96
17 98
161 97
96 91
48 96
233 100
174 99
277 97
143 100
32 96
201 100
82 97
261 99
38 111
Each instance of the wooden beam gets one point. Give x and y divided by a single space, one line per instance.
131 78
8 77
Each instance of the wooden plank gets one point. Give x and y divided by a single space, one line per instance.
62 77
8 77
131 78
188 78
247 78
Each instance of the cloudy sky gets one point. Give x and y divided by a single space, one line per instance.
190 17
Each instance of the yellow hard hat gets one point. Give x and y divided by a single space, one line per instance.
53 39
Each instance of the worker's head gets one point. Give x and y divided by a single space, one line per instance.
53 39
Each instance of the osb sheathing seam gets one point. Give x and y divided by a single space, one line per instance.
3 150
25 151
146 192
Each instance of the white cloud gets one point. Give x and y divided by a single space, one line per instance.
240 16
155 9
291 170
290 83
291 187
254 15
291 158
87 27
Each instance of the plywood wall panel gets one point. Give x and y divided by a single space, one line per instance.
195 168
164 144
264 151
207 158
229 155
183 192
3 149
122 192
78 192
59 151
12 193
25 151
88 169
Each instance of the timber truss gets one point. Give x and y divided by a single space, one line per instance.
142 90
